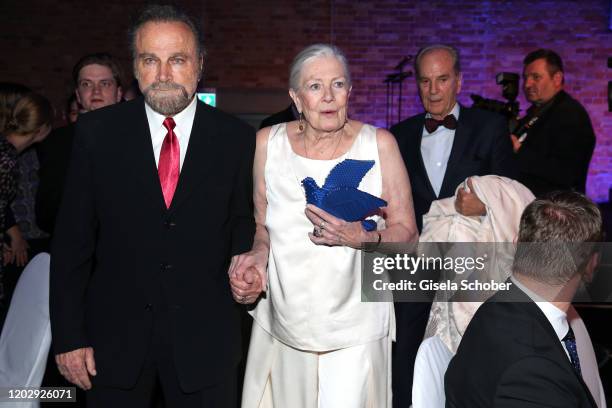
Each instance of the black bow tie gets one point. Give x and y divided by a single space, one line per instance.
448 122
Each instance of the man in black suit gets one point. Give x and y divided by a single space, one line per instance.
97 82
441 148
555 150
519 353
158 198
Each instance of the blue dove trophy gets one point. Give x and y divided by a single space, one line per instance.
340 196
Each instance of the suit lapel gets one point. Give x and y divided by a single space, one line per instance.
142 161
460 142
420 163
196 160
560 354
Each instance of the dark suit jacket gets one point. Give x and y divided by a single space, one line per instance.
287 115
54 157
115 244
558 148
510 356
481 146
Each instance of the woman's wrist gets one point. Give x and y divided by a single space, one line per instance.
372 241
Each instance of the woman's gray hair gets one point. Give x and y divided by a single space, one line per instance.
313 51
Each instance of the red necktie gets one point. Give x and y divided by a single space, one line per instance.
169 162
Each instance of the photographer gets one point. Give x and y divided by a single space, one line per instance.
555 148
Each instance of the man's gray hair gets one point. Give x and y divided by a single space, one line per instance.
454 53
313 51
558 234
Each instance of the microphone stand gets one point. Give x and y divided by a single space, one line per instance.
390 81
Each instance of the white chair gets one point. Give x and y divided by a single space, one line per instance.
430 365
26 336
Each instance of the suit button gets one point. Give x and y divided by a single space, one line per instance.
169 224
148 307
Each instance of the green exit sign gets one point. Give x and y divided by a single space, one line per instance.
208 98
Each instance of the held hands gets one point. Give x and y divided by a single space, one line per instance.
468 203
77 365
332 231
248 276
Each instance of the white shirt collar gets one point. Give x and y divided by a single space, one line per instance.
184 123
556 316
183 119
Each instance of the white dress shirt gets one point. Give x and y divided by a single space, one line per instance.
435 150
182 130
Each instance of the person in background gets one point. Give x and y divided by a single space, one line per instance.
289 114
16 249
28 122
132 91
555 152
97 80
442 147
519 349
72 109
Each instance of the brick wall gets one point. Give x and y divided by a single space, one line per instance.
251 43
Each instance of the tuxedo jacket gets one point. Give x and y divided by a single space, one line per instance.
558 148
510 356
116 245
481 146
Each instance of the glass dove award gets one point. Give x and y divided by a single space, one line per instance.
340 195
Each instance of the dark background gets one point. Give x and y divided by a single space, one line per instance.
250 45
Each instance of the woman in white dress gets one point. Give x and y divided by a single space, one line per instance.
314 343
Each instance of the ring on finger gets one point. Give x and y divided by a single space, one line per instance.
317 232
322 224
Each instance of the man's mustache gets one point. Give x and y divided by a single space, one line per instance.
165 86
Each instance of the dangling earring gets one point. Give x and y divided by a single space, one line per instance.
301 124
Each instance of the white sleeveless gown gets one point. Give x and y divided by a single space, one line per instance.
314 343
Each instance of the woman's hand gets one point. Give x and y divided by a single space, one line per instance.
18 250
248 276
332 231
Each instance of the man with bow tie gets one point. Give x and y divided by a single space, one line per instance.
441 148
158 198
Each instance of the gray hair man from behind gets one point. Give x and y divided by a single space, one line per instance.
557 237
526 346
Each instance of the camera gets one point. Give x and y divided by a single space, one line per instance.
510 90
